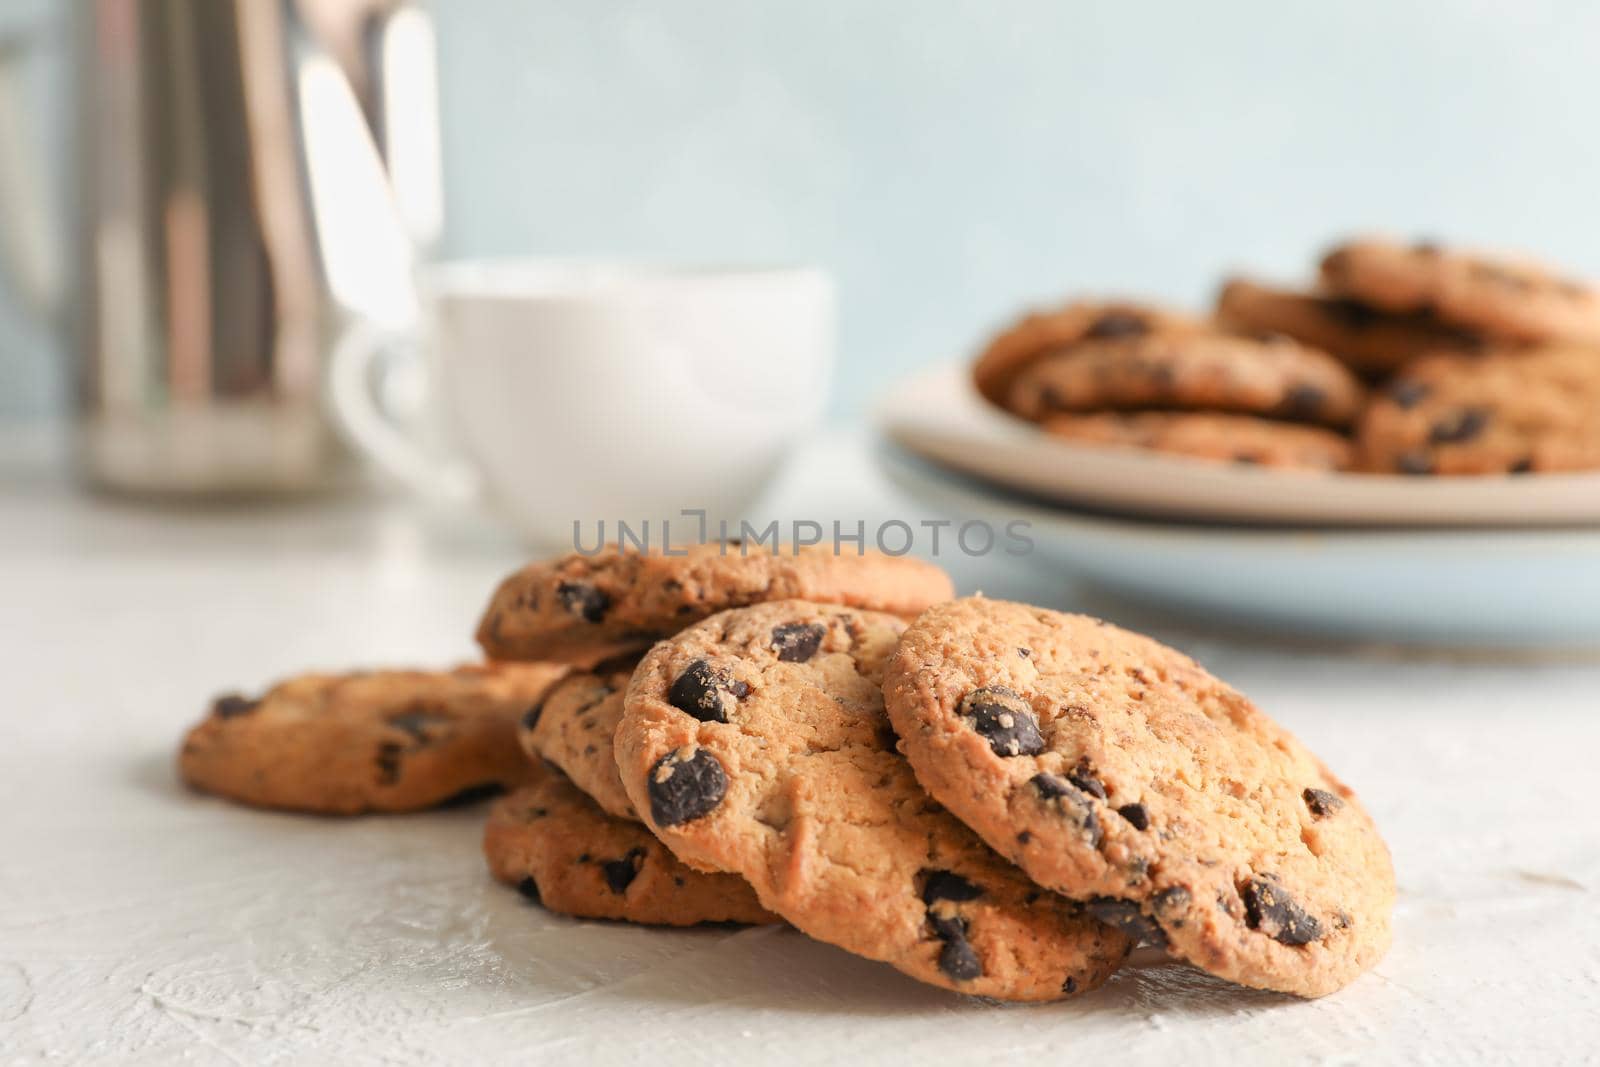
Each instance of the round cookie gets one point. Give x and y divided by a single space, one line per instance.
756 742
1203 435
575 604
1045 331
1370 340
553 845
1276 377
1116 770
388 741
574 726
1496 414
1503 297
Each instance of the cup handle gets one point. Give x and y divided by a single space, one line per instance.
355 380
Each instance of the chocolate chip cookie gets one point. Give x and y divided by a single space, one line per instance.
571 605
1368 339
1503 297
556 847
1496 414
1118 771
1040 332
756 742
574 727
1203 435
383 741
1276 377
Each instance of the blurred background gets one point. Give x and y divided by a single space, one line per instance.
949 162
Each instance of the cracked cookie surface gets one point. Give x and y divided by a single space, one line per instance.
1277 378
613 599
1205 435
1505 297
574 728
555 846
756 742
1040 332
1118 771
1513 413
378 741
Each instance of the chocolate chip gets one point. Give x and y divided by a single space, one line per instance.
1024 652
1084 778
529 888
388 763
796 642
1125 916
1303 402
1521 466
957 959
1118 324
418 722
682 788
1170 903
232 705
1351 314
947 885
1272 911
1408 395
621 873
1458 426
1425 247
705 692
1322 803
1414 463
472 794
530 718
1071 802
1004 719
585 599
1136 815
1070 986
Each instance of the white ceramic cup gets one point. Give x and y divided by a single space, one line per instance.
570 392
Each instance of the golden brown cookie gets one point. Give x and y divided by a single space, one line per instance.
553 845
1115 770
387 741
756 742
1046 331
1504 297
1203 435
1277 377
571 605
573 728
1497 414
1369 340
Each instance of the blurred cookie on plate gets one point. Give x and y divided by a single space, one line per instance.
1243 439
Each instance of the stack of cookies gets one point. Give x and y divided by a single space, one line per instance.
991 797
1402 359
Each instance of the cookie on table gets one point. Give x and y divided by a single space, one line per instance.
1045 331
1369 340
573 728
379 741
756 743
1204 435
1275 377
1118 771
558 608
1504 297
1517 413
555 846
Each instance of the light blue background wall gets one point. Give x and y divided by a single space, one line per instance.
951 160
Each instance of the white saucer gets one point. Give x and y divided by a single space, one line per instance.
938 415
1524 589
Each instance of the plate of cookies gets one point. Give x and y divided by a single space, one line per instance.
1411 385
992 798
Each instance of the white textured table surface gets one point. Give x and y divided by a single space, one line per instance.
139 923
